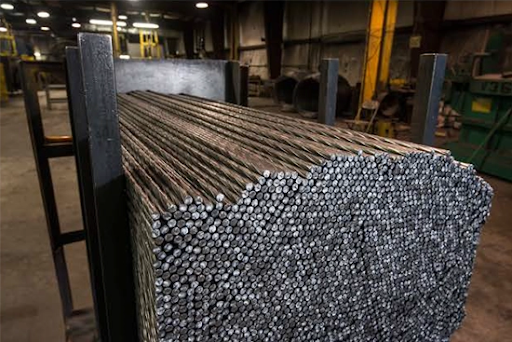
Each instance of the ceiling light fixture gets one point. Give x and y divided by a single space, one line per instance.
37 54
123 17
8 7
124 56
146 25
76 25
31 21
3 29
45 28
202 5
106 22
43 14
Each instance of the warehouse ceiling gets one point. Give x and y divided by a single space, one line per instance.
169 15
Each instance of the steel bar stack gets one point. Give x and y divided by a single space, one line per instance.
251 226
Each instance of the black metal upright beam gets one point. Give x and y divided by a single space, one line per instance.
106 200
244 85
428 24
78 120
188 39
274 16
328 91
429 88
218 36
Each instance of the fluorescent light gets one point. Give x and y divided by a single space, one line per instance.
3 29
106 22
37 54
31 21
8 7
76 25
145 25
124 56
43 15
202 5
45 28
123 17
100 22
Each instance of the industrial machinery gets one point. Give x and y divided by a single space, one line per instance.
149 46
480 90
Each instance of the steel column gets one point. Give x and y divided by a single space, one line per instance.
244 85
107 194
427 30
115 34
426 100
188 39
274 16
217 29
328 91
79 129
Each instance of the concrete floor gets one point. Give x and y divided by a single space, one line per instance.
30 305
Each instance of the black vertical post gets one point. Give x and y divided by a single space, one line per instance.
429 87
274 16
217 29
188 39
244 85
328 91
428 21
233 78
100 156
79 129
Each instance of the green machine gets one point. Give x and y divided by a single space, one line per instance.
481 92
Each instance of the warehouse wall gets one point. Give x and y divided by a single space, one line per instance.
456 9
459 42
315 30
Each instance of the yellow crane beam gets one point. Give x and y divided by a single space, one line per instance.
379 42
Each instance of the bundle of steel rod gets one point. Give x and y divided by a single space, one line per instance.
250 226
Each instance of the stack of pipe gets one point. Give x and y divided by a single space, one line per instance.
300 90
249 226
307 92
284 86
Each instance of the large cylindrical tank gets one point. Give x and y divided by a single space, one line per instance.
284 86
307 91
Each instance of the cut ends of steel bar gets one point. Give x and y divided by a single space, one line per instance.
249 226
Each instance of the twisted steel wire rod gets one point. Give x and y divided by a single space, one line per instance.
335 241
205 180
334 132
283 125
272 138
171 143
198 142
286 156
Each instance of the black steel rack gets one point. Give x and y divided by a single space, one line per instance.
93 80
45 148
